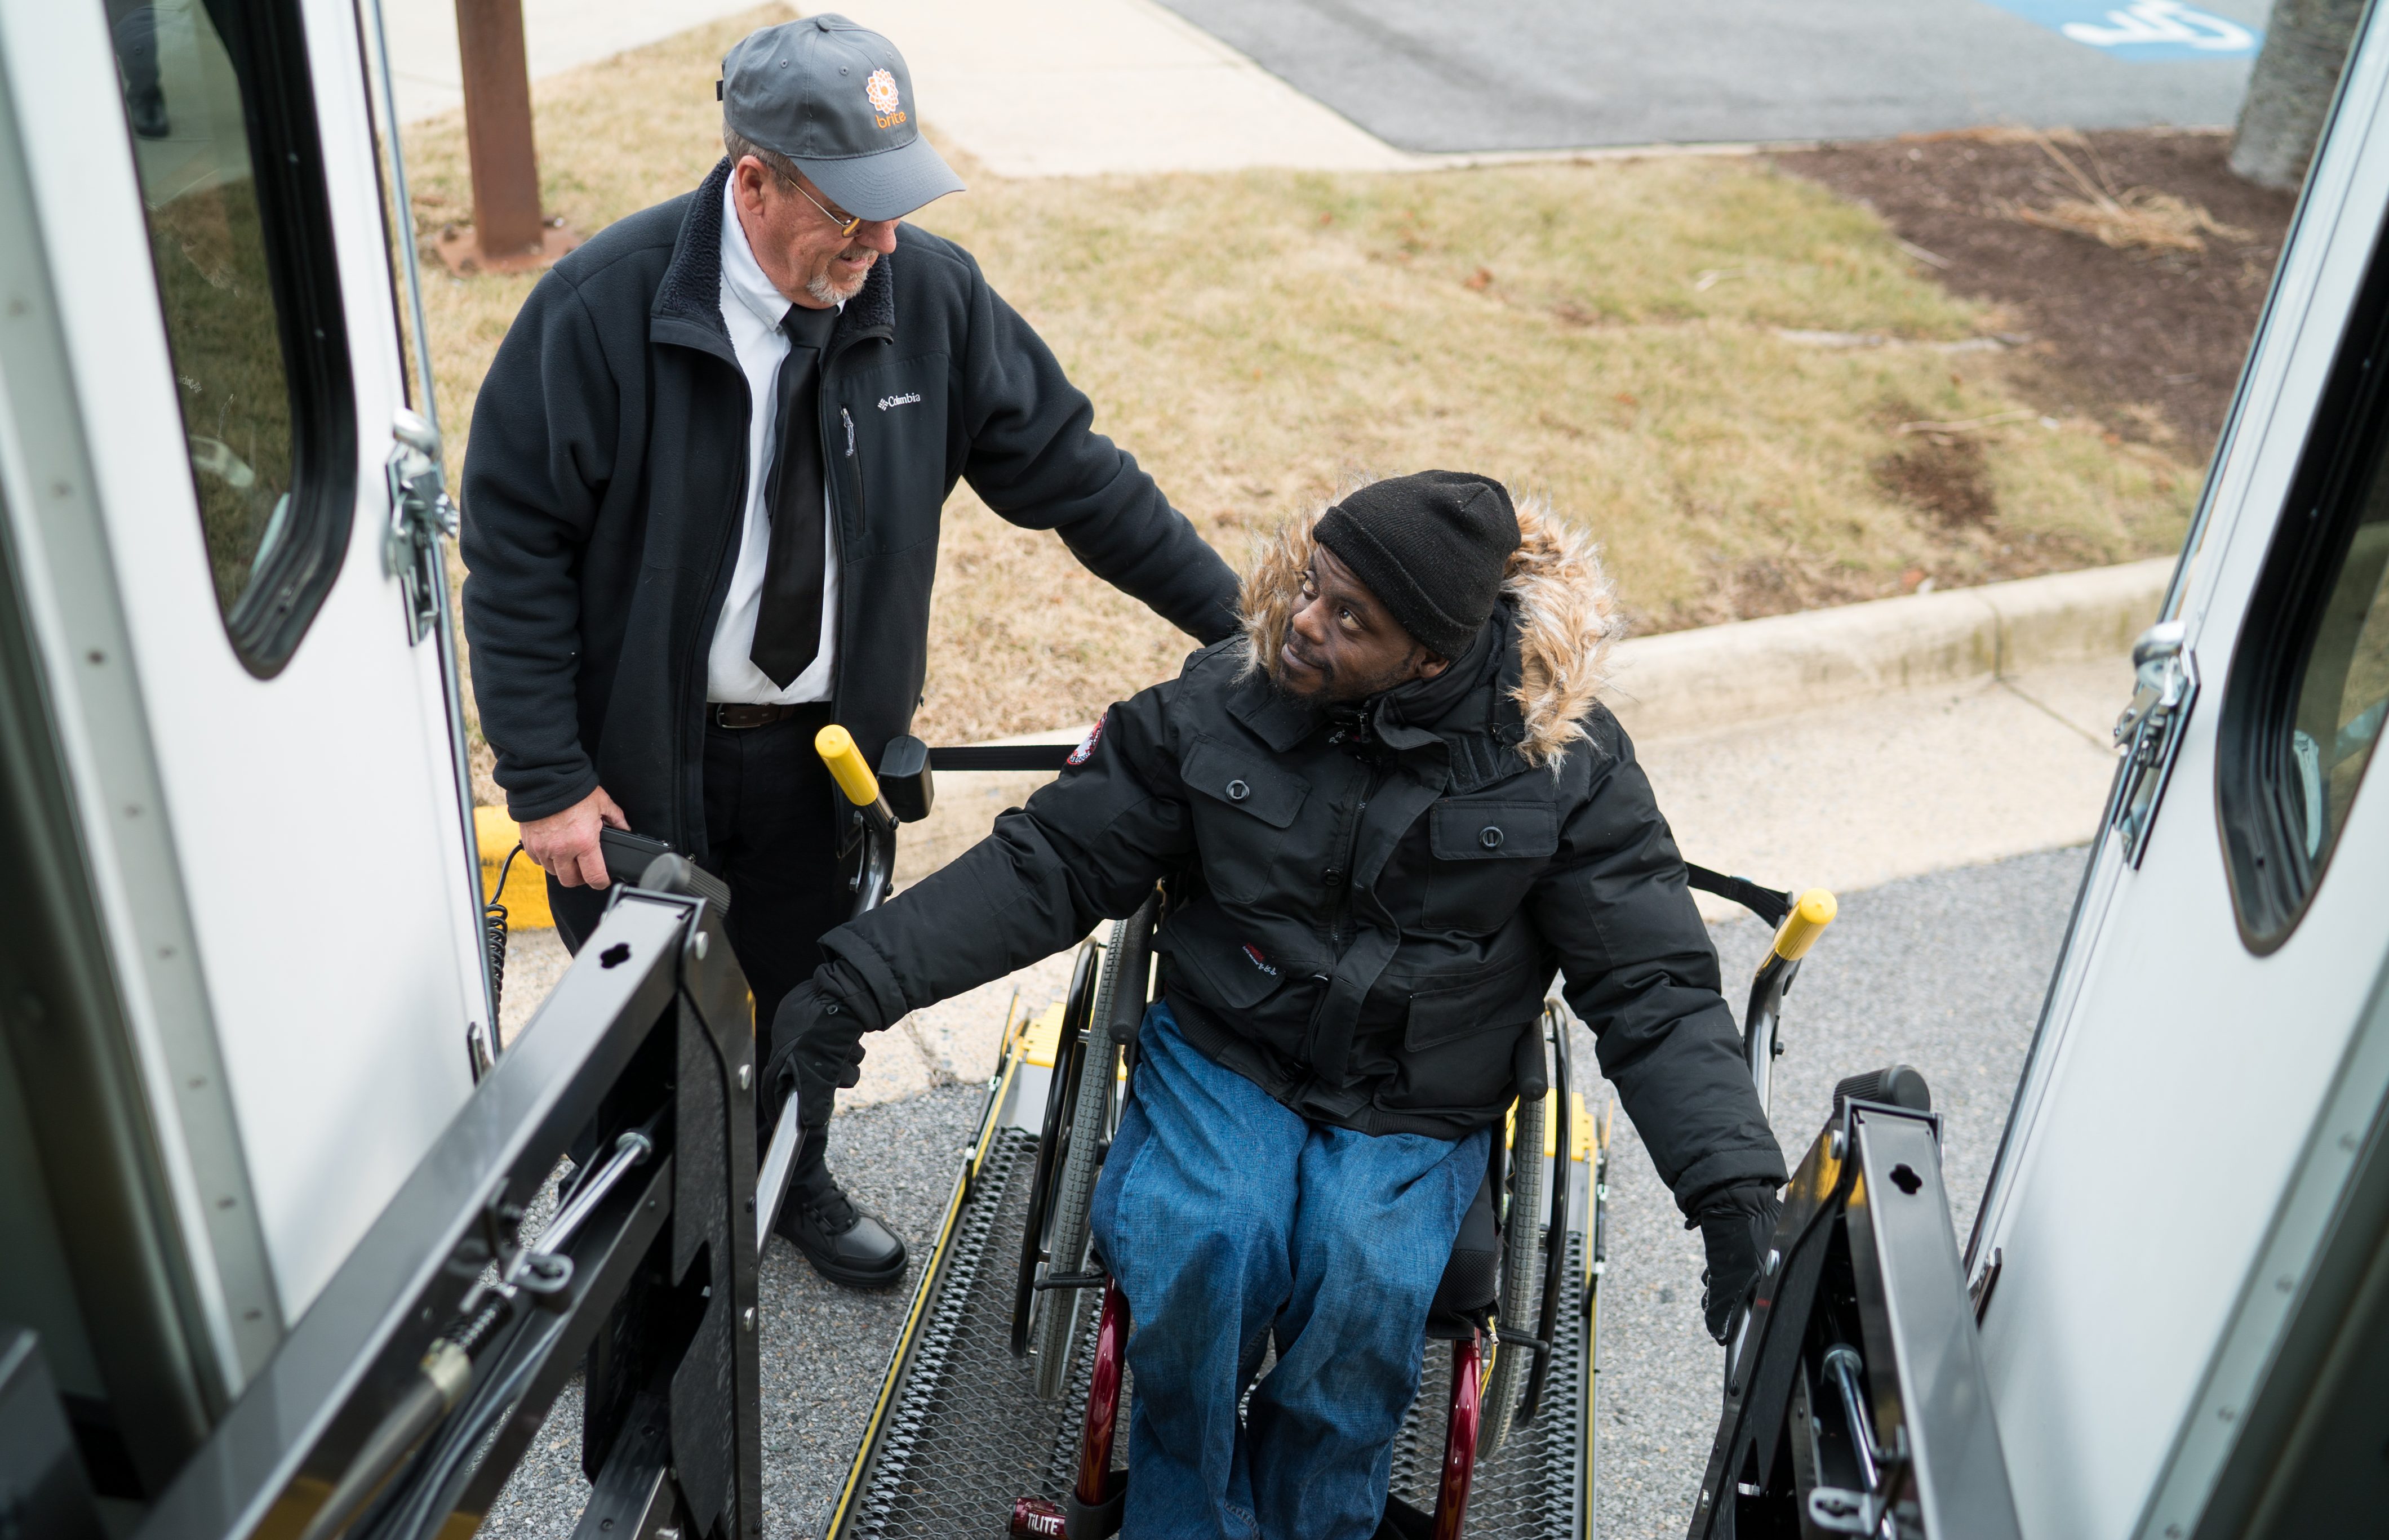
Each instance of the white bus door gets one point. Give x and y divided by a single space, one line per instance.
2140 1247
257 709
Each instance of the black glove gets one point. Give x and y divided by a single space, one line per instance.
1736 1227
816 1043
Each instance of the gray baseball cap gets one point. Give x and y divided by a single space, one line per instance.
836 99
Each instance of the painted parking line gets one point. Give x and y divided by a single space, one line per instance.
2143 31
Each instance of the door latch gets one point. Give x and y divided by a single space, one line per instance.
420 513
2148 732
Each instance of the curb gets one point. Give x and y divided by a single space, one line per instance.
1684 682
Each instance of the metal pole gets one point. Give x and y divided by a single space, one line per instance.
403 233
497 127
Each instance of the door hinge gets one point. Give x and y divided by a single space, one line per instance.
2149 733
420 513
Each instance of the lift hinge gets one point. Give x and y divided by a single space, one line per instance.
2149 733
420 513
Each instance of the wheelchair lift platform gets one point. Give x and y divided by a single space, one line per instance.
959 1434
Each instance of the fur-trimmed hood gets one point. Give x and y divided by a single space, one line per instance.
1565 607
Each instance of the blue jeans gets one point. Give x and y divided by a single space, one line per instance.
1223 1215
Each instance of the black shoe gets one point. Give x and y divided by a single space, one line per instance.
148 109
846 1245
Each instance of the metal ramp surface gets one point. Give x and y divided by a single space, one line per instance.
958 1432
963 1433
1537 1484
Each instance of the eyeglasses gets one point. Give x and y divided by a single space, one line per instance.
846 226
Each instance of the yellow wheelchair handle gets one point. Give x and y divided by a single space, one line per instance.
852 773
846 766
1805 923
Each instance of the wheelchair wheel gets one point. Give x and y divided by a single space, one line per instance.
1061 1094
1074 1187
1522 1278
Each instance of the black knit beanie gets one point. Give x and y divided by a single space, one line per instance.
1431 547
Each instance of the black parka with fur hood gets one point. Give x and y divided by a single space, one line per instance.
1382 895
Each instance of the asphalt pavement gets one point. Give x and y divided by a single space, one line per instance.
1943 972
1558 74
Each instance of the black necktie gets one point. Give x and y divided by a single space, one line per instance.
788 619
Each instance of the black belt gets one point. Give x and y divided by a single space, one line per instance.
739 715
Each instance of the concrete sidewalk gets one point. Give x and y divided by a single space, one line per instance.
1084 87
1031 88
557 36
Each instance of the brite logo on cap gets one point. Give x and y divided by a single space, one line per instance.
881 89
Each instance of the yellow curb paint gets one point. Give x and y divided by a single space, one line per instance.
526 894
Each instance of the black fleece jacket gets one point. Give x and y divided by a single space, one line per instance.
607 471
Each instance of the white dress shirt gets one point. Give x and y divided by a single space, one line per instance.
753 310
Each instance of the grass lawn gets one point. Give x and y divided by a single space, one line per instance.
1611 335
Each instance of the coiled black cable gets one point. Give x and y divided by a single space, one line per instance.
493 931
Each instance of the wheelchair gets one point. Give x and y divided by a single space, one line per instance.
982 1390
1496 1305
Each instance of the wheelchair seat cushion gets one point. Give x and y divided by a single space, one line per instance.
1471 1279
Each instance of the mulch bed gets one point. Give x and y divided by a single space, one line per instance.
2148 343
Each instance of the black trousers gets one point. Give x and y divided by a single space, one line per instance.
771 822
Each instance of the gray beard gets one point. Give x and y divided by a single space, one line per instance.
822 289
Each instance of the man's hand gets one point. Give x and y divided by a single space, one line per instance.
1736 1226
566 842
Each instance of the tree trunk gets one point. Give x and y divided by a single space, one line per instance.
2290 89
497 127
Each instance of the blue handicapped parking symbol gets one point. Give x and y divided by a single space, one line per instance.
2141 30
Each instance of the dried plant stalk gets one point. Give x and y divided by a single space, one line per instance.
2140 217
